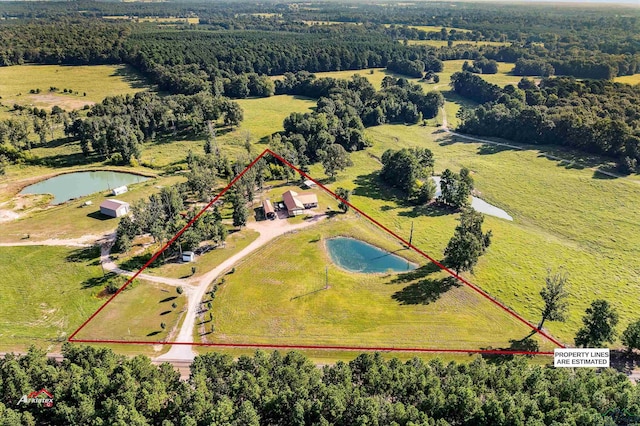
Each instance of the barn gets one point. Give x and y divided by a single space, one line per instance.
114 208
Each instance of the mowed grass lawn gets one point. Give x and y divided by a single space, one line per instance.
277 295
97 81
137 313
46 294
562 217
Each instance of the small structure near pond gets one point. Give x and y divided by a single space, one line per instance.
114 208
188 256
119 190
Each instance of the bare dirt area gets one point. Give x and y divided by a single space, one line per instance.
49 100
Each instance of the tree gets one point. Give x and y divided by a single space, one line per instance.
334 159
599 327
233 114
455 188
427 191
240 211
631 336
344 194
468 242
554 295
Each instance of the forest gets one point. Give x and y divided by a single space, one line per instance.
95 386
592 115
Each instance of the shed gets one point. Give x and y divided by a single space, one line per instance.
269 213
188 256
114 208
297 203
310 184
119 190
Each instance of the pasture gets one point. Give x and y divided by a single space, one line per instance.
277 295
563 216
88 84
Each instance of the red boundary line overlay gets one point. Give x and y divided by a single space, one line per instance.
321 347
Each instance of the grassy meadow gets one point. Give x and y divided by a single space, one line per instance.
563 216
136 314
47 292
628 79
274 297
445 43
97 81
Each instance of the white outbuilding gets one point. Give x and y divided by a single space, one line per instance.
114 208
188 256
119 190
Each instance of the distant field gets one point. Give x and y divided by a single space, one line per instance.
97 81
429 28
444 43
628 79
277 296
46 294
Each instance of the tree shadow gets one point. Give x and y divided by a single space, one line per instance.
371 186
165 313
625 361
425 291
85 254
431 210
153 333
98 281
416 274
526 344
489 149
168 299
131 77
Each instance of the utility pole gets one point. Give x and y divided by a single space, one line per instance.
411 234
326 277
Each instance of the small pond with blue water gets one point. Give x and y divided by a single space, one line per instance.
358 256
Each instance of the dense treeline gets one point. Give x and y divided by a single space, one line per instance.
345 107
590 115
121 123
288 389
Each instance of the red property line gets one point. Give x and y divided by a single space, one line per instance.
321 347
175 237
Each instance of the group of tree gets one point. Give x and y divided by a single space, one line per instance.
162 216
594 116
93 385
120 124
406 169
455 188
481 65
416 68
468 242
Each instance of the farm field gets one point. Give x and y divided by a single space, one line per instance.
628 79
431 28
47 293
97 81
279 298
137 314
562 217
444 43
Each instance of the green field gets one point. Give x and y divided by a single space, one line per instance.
277 297
136 314
97 81
430 28
562 217
628 79
47 292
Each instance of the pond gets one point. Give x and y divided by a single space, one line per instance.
73 185
478 204
358 256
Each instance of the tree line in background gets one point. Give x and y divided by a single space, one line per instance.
288 389
591 115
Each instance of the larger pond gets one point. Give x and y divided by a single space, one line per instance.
358 256
73 185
